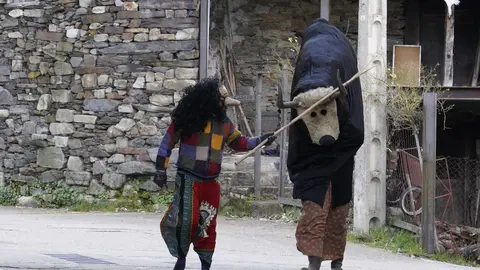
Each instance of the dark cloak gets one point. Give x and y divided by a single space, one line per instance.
312 167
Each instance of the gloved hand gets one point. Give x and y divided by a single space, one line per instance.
160 178
271 138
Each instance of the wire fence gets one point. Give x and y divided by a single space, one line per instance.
457 198
457 187
463 177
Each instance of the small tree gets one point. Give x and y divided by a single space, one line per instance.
285 59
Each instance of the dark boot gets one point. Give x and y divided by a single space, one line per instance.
337 264
205 265
314 263
180 265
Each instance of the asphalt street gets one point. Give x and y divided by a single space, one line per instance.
53 239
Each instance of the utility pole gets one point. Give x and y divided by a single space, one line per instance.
370 161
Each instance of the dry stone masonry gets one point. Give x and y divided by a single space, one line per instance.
86 87
259 31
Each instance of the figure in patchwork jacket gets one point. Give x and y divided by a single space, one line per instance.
202 129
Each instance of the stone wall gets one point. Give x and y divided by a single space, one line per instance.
260 30
86 87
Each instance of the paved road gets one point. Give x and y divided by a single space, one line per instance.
48 239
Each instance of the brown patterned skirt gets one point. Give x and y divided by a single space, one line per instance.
322 232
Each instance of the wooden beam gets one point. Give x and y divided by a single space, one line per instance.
406 226
476 67
449 44
429 172
325 9
258 132
412 20
204 37
283 137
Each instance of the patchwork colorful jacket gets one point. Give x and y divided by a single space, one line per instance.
201 153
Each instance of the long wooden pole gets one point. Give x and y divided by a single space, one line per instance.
258 131
428 234
283 137
356 76
448 68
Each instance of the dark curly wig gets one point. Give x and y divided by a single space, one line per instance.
201 102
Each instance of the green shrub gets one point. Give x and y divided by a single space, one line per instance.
8 195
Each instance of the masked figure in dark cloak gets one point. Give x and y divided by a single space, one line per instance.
322 146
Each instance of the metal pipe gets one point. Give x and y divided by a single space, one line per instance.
204 37
258 132
325 9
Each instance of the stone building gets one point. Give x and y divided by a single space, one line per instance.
86 86
259 32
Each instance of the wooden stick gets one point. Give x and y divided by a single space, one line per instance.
230 78
356 76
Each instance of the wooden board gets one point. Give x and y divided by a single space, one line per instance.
407 62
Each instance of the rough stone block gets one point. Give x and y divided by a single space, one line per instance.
168 4
146 130
125 124
44 102
113 60
5 97
143 14
161 100
152 108
97 18
35 13
27 201
136 168
78 178
48 36
60 141
95 188
187 34
149 47
63 68
177 85
64 115
100 105
61 96
85 3
171 23
186 73
51 176
99 167
4 113
75 164
61 128
113 30
90 80
86 119
114 180
50 157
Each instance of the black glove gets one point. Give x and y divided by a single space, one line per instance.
270 138
160 178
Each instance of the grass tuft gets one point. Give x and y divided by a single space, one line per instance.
400 241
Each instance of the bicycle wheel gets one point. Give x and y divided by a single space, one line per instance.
417 201
394 190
